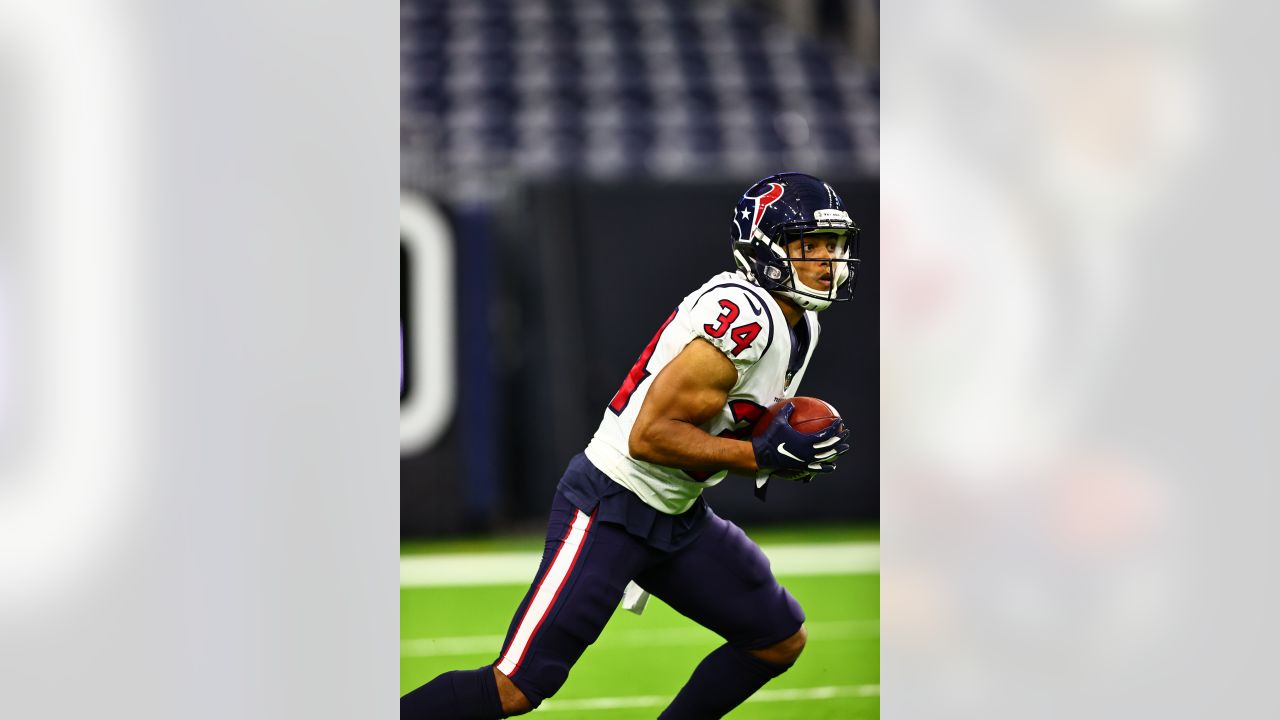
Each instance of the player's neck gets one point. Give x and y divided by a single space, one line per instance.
790 310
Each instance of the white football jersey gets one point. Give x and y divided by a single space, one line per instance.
746 323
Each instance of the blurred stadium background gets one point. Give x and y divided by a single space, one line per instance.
568 168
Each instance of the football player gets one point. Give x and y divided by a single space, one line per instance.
630 508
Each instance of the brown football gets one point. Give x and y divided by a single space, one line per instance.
810 415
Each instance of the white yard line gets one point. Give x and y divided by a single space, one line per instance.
451 570
792 695
670 637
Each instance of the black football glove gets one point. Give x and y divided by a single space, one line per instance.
783 448
800 476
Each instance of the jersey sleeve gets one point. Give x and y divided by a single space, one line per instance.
736 321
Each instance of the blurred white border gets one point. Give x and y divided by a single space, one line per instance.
72 485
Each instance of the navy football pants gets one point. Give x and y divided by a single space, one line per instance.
721 580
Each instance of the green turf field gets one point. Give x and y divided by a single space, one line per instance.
641 661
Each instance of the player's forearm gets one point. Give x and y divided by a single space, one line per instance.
679 444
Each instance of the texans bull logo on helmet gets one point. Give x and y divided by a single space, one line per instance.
742 217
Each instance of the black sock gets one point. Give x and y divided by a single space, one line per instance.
457 695
719 684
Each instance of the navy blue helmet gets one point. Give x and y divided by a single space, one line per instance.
781 209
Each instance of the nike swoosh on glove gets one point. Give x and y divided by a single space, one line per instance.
782 447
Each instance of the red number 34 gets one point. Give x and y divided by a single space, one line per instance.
741 335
